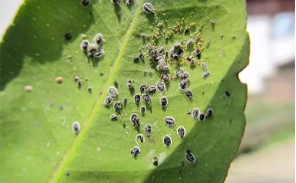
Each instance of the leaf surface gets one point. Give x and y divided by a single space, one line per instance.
37 143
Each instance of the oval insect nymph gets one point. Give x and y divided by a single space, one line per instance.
163 101
167 141
143 110
169 120
135 152
195 112
117 106
148 8
98 38
143 88
146 98
113 92
190 157
209 113
84 45
135 120
148 129
201 117
137 99
113 117
151 90
160 86
188 94
181 132
76 127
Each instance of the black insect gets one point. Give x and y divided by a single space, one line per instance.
85 2
108 101
198 54
146 98
84 45
181 132
101 74
89 89
195 112
142 109
179 72
227 93
95 51
209 113
76 127
165 77
136 59
135 120
183 85
124 101
99 54
141 56
98 38
143 37
206 74
190 157
143 88
68 36
148 129
115 2
76 78
170 121
167 141
190 61
189 94
204 66
163 101
79 84
201 117
130 84
160 86
151 90
117 106
176 51
185 75
137 98
113 117
186 31
141 137
155 161
148 8
162 66
135 152
113 92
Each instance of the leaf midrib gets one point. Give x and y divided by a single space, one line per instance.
61 167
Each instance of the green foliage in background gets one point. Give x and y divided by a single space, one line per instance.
37 143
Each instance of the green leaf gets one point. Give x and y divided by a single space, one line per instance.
37 143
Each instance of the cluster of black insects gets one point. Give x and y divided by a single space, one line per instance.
158 55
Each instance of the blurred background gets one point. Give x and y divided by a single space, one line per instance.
267 151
